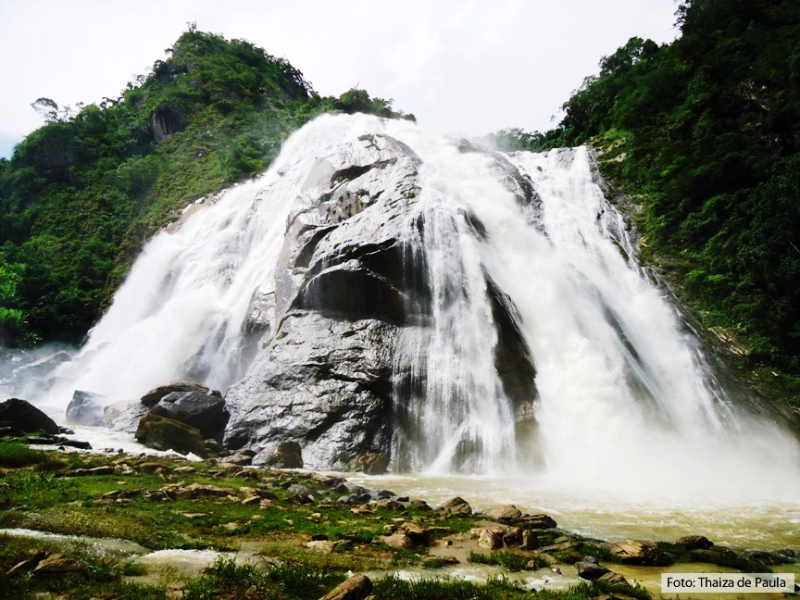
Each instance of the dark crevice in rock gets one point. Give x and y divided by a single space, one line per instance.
513 359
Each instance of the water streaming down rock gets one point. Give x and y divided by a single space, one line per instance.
381 292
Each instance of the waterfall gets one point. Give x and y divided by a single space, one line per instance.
616 394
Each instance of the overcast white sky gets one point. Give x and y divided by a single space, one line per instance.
460 66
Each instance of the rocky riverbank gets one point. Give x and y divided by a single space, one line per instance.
297 534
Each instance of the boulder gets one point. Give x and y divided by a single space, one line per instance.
151 398
162 433
356 587
694 542
85 408
417 534
537 522
23 417
200 408
456 507
372 463
283 455
123 416
504 513
590 570
637 552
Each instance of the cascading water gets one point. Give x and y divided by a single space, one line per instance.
621 397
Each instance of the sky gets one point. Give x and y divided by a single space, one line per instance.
461 67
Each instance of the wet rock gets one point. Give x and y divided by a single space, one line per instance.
491 538
765 558
23 417
104 470
530 541
419 505
504 513
637 552
590 570
162 433
323 546
372 463
716 555
58 441
398 540
199 490
389 504
201 408
57 564
344 289
151 398
540 521
123 416
694 542
456 507
85 408
284 455
26 565
356 587
512 537
417 534
613 578
440 561
239 459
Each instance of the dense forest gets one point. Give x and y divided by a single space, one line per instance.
81 195
704 136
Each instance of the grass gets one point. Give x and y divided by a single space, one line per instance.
17 454
509 560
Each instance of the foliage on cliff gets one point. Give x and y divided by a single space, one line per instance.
81 195
704 134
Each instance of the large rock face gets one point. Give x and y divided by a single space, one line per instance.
350 277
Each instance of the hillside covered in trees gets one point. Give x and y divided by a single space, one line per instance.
704 136
83 193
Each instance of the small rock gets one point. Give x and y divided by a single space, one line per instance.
457 507
529 540
388 504
512 537
491 538
58 563
417 534
440 561
590 571
324 546
418 504
356 587
613 578
397 540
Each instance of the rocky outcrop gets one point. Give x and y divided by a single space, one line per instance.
350 278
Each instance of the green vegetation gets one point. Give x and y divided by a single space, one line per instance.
509 560
704 135
82 194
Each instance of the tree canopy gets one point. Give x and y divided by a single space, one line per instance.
81 194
